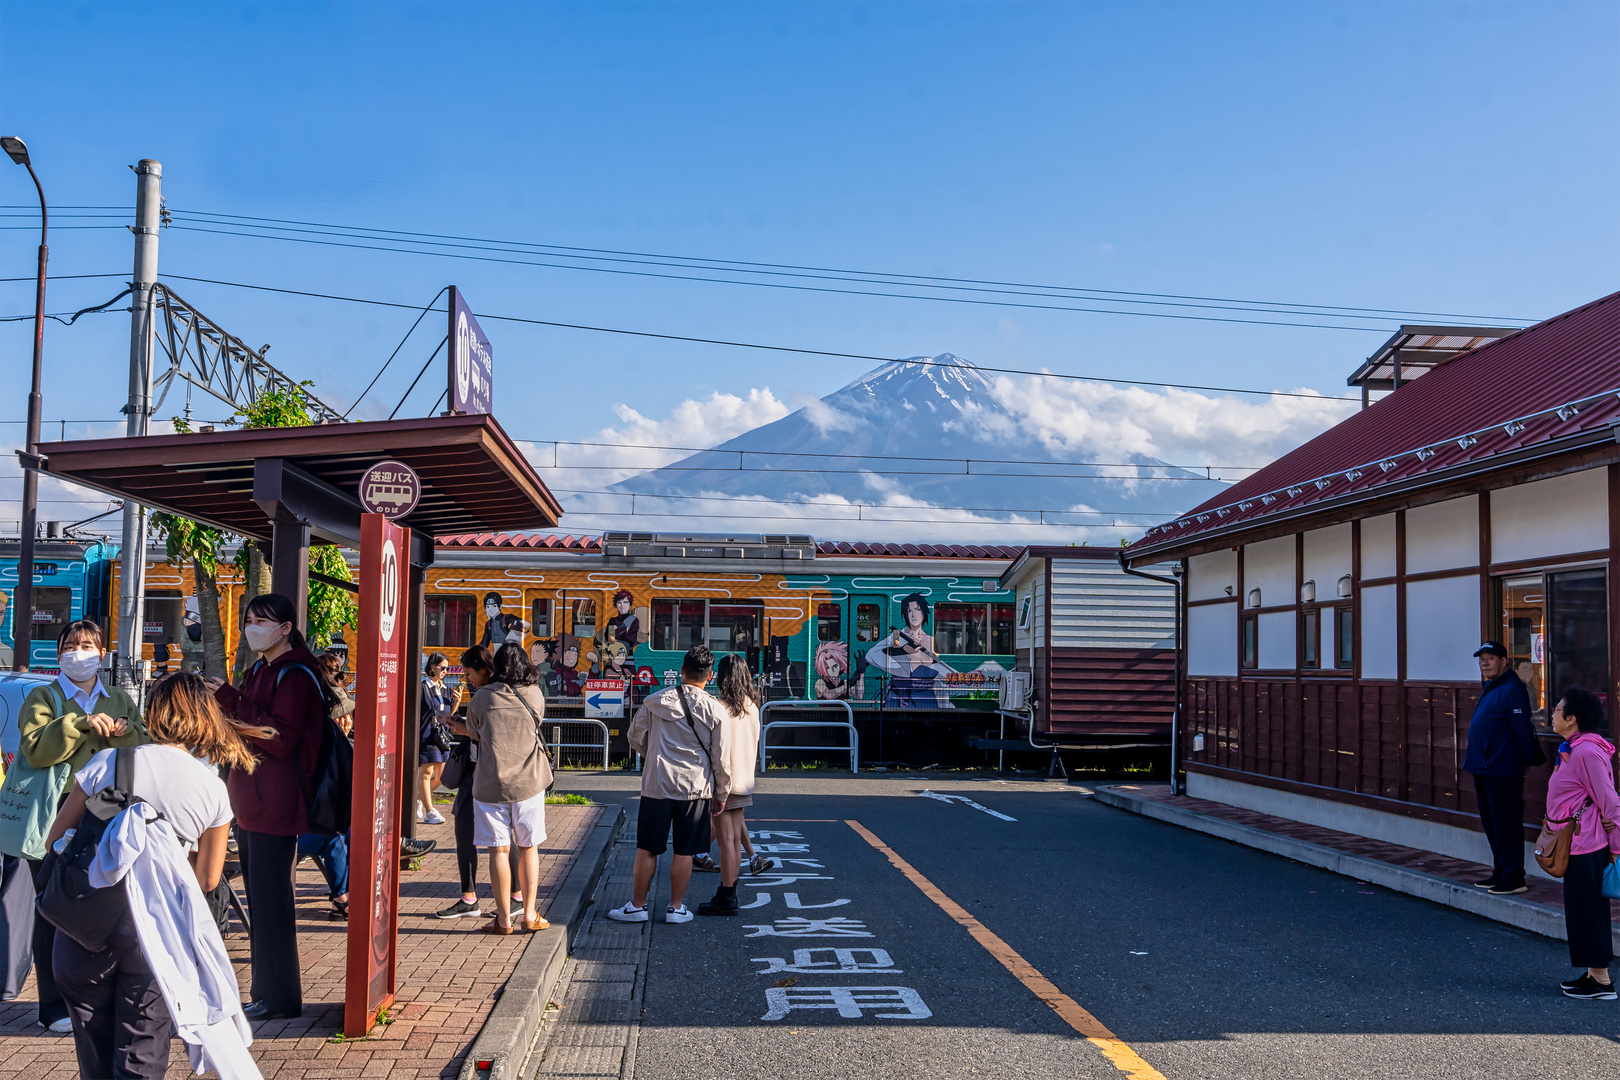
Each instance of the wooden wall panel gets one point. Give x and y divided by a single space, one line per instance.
1109 691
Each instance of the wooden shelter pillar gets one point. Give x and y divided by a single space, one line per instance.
289 566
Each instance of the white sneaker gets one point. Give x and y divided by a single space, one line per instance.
432 817
420 813
680 914
628 913
63 1026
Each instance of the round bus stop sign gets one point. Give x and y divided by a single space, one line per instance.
390 488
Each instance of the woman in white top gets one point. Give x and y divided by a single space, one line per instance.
739 694
121 1023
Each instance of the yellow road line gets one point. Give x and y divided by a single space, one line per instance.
1119 1055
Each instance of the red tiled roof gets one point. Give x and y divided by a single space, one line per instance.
1510 395
827 547
517 540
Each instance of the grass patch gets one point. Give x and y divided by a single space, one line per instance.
570 799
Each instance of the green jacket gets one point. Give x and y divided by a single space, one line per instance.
47 739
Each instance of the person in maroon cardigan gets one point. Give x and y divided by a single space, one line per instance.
269 802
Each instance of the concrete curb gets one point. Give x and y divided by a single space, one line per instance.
502 1045
1512 910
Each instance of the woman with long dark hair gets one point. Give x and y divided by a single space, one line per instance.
283 693
737 691
510 780
478 667
116 1000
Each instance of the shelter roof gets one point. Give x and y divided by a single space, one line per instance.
1419 349
1545 390
473 476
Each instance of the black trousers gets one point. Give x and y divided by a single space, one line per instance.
121 1026
267 874
51 1006
461 811
1586 911
1501 811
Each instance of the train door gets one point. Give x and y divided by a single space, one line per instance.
868 628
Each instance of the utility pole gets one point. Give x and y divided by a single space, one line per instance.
22 610
132 579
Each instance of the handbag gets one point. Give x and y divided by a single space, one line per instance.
458 767
1552 844
30 797
1611 881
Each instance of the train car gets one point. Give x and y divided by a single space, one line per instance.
914 638
172 637
70 583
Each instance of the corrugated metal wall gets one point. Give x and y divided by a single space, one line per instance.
1096 605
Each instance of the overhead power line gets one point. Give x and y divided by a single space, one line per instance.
838 504
772 348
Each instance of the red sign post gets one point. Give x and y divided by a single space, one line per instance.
378 737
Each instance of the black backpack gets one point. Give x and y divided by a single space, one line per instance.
329 790
68 901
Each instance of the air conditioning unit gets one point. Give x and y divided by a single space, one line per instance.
1014 690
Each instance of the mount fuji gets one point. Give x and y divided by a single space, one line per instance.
928 432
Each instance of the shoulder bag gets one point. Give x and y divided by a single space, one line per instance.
30 797
540 741
1552 845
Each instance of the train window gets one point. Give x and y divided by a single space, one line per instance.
53 610
734 627
583 625
540 618
829 622
961 629
1001 629
677 624
165 616
868 622
450 622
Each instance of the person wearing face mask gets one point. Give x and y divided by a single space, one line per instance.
281 692
71 720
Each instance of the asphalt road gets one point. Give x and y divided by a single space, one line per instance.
1205 958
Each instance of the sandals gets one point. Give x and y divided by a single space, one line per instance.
538 924
706 863
494 927
760 864
340 909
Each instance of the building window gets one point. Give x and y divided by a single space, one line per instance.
1310 632
1251 641
450 622
540 618
829 622
1344 634
1555 627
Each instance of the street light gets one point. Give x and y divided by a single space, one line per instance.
22 609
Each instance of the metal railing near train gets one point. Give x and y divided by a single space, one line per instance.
580 739
792 703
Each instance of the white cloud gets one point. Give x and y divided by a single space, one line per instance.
826 418
1182 427
692 423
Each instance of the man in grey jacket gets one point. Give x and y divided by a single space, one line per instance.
681 735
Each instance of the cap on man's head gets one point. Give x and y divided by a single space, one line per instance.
1495 648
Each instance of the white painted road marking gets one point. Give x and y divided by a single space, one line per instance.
799 926
843 962
848 1000
796 904
964 799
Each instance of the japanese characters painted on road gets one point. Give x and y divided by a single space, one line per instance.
472 362
378 736
604 699
390 488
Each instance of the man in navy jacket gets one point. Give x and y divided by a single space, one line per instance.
1501 744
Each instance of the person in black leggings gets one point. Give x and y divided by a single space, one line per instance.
478 664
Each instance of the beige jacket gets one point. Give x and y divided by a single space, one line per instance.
512 763
682 761
742 748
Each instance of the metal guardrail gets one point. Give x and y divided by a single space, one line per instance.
556 730
765 729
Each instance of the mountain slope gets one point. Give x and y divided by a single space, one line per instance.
941 408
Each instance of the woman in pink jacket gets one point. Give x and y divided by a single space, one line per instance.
1583 783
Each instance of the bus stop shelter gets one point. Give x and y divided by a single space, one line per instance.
290 487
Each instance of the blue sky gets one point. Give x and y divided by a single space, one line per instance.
1440 157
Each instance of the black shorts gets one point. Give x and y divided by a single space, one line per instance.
690 819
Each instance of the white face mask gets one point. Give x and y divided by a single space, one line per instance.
261 637
80 665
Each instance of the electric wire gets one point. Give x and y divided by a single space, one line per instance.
395 353
923 362
859 505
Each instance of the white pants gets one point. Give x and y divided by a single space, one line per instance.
500 824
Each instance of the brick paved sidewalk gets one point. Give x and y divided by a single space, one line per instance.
449 976
1460 871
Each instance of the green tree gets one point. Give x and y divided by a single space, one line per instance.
191 541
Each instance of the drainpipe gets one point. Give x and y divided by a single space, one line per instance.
1175 715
